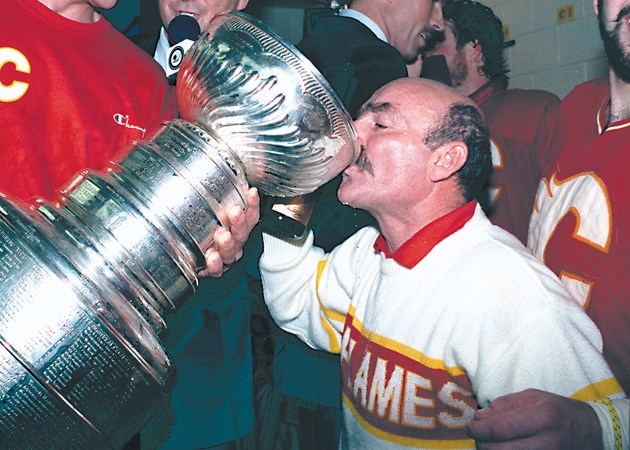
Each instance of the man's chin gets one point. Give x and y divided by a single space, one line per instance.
342 193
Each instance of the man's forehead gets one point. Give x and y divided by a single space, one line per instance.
394 99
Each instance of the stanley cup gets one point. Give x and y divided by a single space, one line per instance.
86 283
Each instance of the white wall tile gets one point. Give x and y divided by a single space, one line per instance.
515 14
544 13
534 52
596 68
587 9
560 80
548 55
579 41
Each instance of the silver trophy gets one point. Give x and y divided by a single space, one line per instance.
86 283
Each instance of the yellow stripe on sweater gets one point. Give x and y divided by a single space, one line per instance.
604 388
327 313
410 352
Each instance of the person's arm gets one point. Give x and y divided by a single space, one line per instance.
535 419
308 291
231 237
550 346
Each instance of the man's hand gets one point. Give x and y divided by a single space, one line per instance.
230 238
534 419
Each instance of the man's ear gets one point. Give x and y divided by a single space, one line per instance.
474 50
596 7
446 160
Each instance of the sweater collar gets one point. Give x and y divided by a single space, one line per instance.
421 243
498 83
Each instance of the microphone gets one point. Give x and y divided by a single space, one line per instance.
182 32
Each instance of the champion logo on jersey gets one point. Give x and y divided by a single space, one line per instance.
123 119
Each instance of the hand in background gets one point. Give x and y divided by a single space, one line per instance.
230 238
534 419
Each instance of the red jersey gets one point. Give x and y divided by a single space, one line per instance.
518 122
71 96
580 226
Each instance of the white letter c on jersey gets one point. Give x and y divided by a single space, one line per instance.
585 196
15 90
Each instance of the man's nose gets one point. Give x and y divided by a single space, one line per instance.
359 126
437 17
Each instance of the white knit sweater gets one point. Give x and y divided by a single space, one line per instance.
423 348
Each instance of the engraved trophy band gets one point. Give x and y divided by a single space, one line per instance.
86 282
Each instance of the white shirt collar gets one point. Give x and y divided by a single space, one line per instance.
161 50
365 20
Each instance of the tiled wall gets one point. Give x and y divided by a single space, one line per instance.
550 55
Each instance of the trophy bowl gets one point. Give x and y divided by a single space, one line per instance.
279 116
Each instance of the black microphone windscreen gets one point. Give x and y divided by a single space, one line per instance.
434 67
182 27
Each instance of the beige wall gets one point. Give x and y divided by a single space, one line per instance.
550 55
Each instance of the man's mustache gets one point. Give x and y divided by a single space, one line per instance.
432 37
363 162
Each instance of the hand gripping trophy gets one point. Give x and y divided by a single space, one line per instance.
85 283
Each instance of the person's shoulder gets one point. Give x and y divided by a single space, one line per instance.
367 234
526 106
503 255
351 40
360 242
340 24
527 97
343 32
486 241
534 94
599 83
597 87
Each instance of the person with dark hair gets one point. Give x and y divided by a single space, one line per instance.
579 228
473 22
518 119
437 312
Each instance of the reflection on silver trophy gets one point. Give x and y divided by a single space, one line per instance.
85 284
